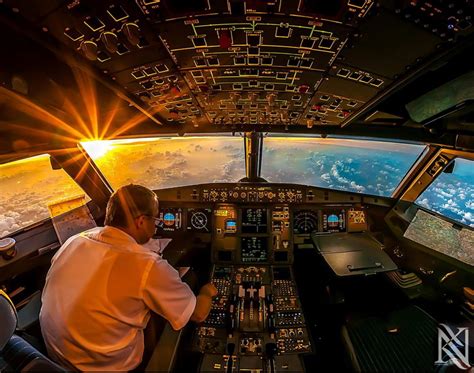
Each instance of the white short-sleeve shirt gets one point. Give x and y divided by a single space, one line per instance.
97 300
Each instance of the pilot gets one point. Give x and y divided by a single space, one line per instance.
103 284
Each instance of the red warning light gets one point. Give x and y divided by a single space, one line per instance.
225 41
303 88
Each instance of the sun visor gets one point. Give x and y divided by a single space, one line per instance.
442 99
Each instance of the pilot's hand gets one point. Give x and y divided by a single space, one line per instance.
209 290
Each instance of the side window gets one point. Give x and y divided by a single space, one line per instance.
27 188
452 194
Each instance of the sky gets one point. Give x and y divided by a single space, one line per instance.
26 189
452 195
369 167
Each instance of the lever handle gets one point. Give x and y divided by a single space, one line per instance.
230 352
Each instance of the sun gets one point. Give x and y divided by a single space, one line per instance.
98 148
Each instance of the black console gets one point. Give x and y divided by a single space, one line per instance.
256 322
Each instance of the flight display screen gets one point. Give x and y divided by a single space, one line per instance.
254 249
230 226
199 220
334 221
171 219
254 220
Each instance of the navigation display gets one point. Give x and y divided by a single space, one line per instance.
254 220
334 221
199 220
254 249
171 219
305 221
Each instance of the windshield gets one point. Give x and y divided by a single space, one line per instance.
169 162
452 194
361 166
29 189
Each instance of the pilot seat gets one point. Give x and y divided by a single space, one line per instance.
403 340
16 354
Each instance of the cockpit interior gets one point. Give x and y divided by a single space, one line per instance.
313 159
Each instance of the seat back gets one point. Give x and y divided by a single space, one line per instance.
8 317
23 357
18 354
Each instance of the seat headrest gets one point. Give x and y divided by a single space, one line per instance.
8 319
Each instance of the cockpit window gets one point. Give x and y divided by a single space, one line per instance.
452 194
169 162
28 187
362 166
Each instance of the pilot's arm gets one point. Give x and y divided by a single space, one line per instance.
167 295
204 303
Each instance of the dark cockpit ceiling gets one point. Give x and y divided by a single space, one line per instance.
86 69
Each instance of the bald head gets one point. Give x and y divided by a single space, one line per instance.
129 202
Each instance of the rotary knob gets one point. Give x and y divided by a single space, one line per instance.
243 195
271 195
281 195
235 194
213 194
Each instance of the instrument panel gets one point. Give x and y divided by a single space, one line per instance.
259 223
258 233
254 220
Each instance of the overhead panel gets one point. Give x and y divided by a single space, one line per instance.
227 63
388 45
